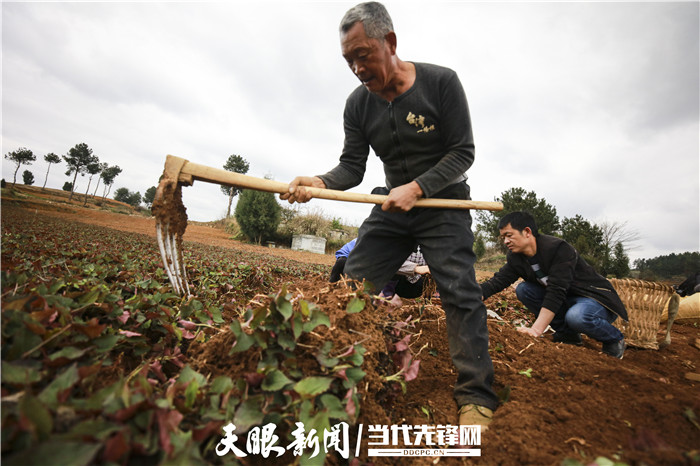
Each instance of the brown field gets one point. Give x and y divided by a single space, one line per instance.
576 403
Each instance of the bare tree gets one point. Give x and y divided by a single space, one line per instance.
619 232
615 233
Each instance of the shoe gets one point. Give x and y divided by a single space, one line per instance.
567 338
475 415
614 348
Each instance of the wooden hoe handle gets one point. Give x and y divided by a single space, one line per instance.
187 172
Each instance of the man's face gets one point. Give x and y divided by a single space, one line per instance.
369 59
518 242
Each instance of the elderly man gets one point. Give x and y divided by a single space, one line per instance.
416 119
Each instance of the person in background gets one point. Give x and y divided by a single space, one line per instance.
341 257
559 287
406 283
689 286
416 119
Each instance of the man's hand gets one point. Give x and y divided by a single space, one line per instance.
297 193
403 198
530 331
543 320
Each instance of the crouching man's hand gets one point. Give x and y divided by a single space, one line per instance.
544 318
530 331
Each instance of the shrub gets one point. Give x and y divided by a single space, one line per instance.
258 214
68 186
283 237
289 213
232 227
126 196
28 177
492 260
314 223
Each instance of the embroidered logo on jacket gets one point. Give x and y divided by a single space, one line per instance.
419 122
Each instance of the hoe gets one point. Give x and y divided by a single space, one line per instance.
171 219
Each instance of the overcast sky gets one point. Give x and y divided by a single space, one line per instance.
594 106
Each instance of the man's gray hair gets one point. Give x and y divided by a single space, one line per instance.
372 15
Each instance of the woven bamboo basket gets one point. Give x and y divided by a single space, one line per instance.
645 302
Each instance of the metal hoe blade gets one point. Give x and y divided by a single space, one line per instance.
171 222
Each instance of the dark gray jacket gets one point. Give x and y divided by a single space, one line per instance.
569 275
425 134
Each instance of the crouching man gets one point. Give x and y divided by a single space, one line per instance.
559 287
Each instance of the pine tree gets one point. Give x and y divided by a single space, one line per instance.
78 159
21 156
50 158
237 164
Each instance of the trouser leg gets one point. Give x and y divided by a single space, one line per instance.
337 269
409 290
531 295
385 240
586 315
389 289
446 241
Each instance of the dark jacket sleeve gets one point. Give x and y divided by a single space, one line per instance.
561 275
502 279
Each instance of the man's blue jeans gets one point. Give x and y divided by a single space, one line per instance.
578 314
387 238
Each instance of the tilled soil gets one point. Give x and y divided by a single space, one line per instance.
559 401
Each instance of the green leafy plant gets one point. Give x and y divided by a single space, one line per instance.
94 342
276 331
